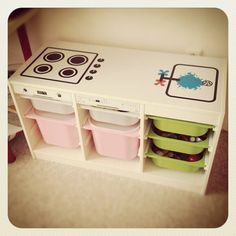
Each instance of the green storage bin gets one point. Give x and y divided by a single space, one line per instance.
175 164
178 145
180 127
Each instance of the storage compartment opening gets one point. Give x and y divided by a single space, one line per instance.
34 133
191 181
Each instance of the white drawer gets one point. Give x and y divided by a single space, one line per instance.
42 93
107 103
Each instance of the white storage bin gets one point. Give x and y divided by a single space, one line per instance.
113 117
115 141
51 106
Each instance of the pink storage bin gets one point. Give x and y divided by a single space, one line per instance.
115 141
56 129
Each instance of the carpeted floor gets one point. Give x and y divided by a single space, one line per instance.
47 194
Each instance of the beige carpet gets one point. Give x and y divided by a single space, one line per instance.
47 194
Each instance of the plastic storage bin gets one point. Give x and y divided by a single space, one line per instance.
56 129
178 145
114 141
51 106
113 117
180 127
175 164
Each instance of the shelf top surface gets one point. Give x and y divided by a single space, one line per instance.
147 77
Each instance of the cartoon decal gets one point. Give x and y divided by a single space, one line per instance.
187 81
161 81
187 78
190 81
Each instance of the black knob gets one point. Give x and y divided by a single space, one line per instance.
97 65
89 77
59 95
92 71
25 90
100 60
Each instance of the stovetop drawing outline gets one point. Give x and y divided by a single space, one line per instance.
59 50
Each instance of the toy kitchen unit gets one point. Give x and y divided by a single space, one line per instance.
146 115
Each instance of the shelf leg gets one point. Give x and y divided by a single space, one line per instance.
24 42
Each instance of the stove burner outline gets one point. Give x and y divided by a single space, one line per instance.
77 60
38 71
65 72
57 80
54 56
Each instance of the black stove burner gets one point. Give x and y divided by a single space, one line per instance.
68 72
42 69
77 60
54 56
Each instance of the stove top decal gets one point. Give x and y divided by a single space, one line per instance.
191 82
61 65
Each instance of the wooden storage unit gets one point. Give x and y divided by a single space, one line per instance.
120 83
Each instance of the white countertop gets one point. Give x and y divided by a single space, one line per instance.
131 75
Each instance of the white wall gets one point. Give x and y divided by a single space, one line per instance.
173 30
170 30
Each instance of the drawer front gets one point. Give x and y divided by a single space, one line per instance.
176 164
180 126
108 103
42 92
177 145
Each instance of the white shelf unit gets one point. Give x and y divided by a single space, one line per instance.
86 156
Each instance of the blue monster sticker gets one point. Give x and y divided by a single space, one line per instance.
190 81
